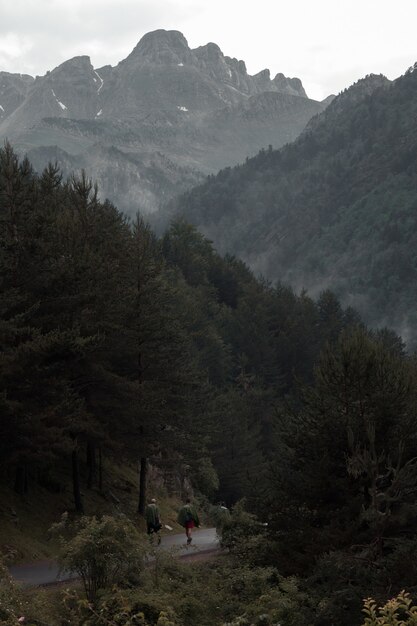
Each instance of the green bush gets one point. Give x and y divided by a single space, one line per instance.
244 536
30 607
220 517
396 612
120 607
12 606
280 605
103 552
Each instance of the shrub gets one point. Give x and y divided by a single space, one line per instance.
396 612
117 607
103 552
11 602
245 537
279 605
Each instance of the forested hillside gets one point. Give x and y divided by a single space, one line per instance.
118 345
118 342
335 209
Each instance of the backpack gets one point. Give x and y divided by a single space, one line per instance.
188 515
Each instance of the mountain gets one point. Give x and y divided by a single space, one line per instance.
336 209
155 124
13 90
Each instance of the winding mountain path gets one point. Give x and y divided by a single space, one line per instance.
47 572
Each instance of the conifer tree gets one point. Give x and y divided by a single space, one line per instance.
345 467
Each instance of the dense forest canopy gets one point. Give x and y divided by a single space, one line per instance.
121 345
115 340
335 209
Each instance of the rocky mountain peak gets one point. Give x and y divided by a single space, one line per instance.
68 91
212 61
198 108
209 52
293 86
238 66
262 80
74 65
71 88
217 73
162 47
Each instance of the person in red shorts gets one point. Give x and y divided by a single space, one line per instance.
188 518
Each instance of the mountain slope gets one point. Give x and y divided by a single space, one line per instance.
13 90
335 209
196 108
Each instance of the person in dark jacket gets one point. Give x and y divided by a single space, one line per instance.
188 518
153 520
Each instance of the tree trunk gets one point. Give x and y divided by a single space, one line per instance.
142 485
76 481
100 470
91 464
21 480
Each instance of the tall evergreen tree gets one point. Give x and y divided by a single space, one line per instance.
345 470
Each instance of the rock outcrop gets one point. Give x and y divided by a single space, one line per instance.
13 91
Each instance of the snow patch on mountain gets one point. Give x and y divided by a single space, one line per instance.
61 104
101 81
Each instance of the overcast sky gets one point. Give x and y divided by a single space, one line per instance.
329 44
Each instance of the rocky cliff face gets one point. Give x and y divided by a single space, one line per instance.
70 91
164 104
13 90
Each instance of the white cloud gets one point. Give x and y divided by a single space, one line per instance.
12 46
328 45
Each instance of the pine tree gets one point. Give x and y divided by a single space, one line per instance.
345 468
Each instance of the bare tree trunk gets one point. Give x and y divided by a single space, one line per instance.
142 485
21 480
76 480
91 464
100 470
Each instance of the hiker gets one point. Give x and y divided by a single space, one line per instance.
188 518
153 521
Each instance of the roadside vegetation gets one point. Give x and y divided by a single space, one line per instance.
154 588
